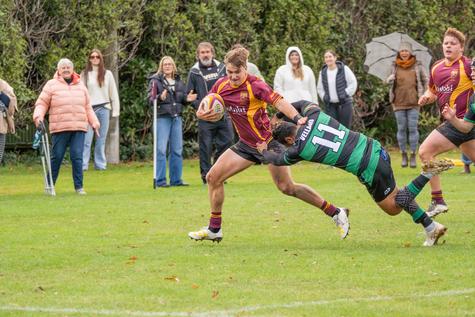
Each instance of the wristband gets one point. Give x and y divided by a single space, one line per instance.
297 118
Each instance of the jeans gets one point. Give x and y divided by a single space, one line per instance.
341 111
465 160
75 141
100 161
407 124
220 134
2 145
169 132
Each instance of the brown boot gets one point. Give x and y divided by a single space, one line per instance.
412 161
404 159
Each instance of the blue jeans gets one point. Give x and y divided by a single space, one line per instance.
75 141
100 161
466 160
169 132
407 125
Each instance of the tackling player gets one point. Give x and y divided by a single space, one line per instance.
324 140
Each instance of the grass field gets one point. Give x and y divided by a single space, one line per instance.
123 250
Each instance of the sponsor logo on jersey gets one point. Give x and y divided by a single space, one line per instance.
445 89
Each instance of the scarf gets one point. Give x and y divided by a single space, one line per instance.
405 64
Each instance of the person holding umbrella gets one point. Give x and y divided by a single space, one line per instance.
408 82
452 81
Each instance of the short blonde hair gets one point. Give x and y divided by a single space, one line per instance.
162 61
65 61
457 34
237 57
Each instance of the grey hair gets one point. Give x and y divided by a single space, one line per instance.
65 61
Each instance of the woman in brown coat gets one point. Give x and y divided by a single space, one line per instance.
408 82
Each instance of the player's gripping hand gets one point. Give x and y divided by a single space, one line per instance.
207 115
261 147
448 113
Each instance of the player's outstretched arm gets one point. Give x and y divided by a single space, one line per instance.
289 111
277 159
449 114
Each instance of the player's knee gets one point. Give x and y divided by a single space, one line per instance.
425 155
287 188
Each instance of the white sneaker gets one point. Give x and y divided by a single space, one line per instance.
436 209
206 234
81 191
342 222
434 235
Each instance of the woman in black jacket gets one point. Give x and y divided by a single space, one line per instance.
167 87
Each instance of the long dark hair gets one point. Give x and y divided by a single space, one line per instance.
101 72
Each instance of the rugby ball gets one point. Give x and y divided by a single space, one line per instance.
215 102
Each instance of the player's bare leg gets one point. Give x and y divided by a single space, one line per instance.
433 145
228 164
283 180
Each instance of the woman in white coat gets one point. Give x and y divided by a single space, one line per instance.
295 81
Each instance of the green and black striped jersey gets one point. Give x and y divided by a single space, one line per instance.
324 140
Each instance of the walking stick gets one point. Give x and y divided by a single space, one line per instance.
154 143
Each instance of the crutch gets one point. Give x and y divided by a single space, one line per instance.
41 139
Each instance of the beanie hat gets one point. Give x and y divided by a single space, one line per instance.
406 46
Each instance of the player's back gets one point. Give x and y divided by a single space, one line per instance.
324 140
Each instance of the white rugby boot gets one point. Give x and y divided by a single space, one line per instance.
433 236
206 234
342 222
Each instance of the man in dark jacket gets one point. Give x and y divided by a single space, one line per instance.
201 78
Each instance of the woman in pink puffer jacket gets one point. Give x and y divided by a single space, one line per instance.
66 100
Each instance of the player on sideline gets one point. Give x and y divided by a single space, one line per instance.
245 97
324 140
451 83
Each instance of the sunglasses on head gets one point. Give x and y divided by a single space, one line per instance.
94 57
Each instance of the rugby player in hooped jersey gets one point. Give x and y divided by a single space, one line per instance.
324 140
246 97
451 84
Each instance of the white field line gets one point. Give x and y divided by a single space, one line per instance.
229 312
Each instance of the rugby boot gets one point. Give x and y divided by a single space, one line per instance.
342 222
437 166
436 209
433 236
206 234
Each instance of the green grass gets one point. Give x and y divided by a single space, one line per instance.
124 248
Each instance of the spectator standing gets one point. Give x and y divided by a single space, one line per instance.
104 97
408 82
201 78
295 81
170 92
67 101
8 105
336 86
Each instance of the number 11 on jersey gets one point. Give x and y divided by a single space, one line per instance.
335 146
